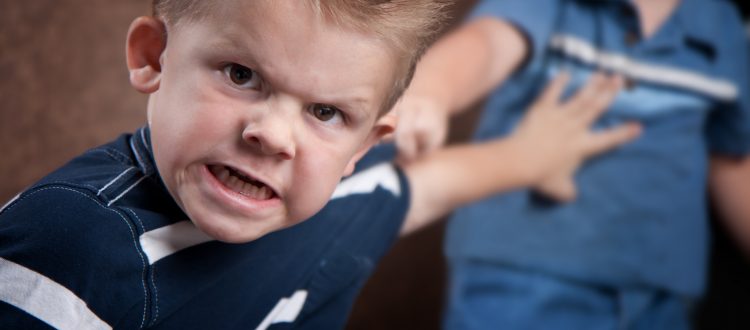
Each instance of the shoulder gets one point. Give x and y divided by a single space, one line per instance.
366 211
725 8
77 249
65 226
76 199
69 212
94 179
717 21
95 168
376 197
55 207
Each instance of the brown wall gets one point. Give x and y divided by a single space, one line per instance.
63 83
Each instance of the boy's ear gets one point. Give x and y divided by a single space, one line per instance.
147 39
384 126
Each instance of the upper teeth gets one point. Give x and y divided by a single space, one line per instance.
233 180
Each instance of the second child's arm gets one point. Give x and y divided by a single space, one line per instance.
543 153
730 188
458 70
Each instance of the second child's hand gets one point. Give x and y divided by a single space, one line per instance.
543 153
558 136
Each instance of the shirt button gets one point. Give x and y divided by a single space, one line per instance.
631 38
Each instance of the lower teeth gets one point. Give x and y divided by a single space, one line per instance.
241 186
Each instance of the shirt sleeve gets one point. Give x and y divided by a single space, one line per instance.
60 265
728 126
364 217
535 19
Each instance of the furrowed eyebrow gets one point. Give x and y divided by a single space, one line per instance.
229 45
355 105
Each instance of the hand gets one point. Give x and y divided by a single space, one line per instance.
557 135
422 126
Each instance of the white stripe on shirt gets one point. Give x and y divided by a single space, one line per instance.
45 299
383 175
126 191
10 202
584 51
285 311
114 180
167 240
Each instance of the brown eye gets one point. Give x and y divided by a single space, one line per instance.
242 76
325 112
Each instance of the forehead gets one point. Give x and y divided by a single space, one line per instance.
297 50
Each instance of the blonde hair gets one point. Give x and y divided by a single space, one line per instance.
407 26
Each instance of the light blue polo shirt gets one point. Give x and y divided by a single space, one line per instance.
640 217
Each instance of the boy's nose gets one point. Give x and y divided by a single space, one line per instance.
271 136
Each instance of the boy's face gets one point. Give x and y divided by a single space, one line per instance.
259 109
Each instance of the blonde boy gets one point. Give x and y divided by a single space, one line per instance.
257 109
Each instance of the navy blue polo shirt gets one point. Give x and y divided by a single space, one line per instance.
100 244
640 217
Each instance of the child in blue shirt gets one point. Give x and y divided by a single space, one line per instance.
630 252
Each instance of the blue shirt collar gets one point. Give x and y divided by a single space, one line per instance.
140 142
681 25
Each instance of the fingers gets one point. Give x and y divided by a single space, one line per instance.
611 138
420 141
406 144
552 93
589 102
423 127
567 191
587 93
430 141
597 103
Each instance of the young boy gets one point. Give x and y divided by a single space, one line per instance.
630 252
256 111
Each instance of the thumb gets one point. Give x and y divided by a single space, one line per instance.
560 189
565 191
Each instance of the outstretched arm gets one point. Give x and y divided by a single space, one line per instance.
544 151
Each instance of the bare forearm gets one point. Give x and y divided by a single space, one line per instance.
730 190
469 62
454 176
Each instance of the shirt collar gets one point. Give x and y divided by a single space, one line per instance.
681 25
140 143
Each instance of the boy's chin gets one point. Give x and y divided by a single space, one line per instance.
235 234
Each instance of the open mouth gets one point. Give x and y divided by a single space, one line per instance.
241 183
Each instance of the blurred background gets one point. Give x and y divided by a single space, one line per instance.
64 89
